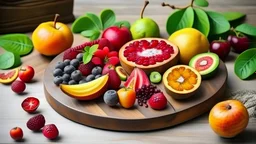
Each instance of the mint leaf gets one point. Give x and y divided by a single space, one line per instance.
16 43
232 16
86 48
7 60
201 21
179 19
87 57
246 29
123 23
218 23
93 49
107 17
202 3
245 64
83 23
95 19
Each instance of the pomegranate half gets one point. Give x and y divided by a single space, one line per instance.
148 54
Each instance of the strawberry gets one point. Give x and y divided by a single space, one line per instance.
97 61
112 60
50 131
36 122
157 101
86 69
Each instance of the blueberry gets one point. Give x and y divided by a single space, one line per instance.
76 75
65 82
66 77
72 82
82 81
57 72
57 80
79 56
90 77
60 65
69 69
110 97
66 62
97 76
74 62
96 70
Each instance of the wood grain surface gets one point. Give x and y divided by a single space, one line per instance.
195 131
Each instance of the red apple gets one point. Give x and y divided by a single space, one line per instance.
107 68
221 48
117 36
16 133
26 73
239 43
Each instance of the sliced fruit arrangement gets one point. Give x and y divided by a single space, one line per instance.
206 64
87 91
9 76
148 54
30 104
181 81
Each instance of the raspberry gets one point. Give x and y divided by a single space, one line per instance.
50 131
112 60
86 69
97 61
18 86
36 122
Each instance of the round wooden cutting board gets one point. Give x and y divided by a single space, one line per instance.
97 114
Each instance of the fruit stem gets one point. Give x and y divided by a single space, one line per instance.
55 20
143 9
175 7
228 107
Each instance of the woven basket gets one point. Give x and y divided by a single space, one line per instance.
25 15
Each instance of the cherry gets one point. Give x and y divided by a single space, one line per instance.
30 104
221 48
239 42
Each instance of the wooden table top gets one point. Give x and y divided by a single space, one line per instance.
194 131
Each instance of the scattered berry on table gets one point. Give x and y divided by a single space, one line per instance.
96 70
74 62
76 75
57 80
110 98
69 69
90 77
36 122
50 131
57 72
18 86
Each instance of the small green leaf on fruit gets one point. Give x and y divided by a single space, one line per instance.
202 3
218 23
7 60
201 21
87 57
107 17
16 43
123 23
179 19
86 48
93 49
95 19
231 16
83 23
246 29
245 64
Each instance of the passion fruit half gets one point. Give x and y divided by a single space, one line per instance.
181 81
148 54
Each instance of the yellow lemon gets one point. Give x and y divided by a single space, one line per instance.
190 42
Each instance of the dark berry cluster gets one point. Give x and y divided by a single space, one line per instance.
144 93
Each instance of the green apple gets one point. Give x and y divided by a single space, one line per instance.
144 27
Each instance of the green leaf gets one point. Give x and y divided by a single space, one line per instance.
108 18
17 43
87 57
202 3
232 16
179 19
83 23
93 49
201 21
86 48
245 64
88 33
95 19
246 29
7 60
95 36
218 23
123 23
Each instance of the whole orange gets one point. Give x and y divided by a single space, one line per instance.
52 38
127 97
228 118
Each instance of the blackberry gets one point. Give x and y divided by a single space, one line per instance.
144 93
74 62
69 69
96 70
57 80
57 72
76 75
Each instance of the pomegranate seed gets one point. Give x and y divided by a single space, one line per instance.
136 43
166 56
152 62
144 43
153 43
162 42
